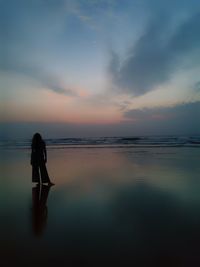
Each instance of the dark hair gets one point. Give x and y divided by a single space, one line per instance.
36 140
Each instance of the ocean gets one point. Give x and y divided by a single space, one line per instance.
134 141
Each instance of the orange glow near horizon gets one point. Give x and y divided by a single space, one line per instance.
52 107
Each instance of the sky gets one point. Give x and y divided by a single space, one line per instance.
99 67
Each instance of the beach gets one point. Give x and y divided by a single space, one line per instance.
100 133
116 206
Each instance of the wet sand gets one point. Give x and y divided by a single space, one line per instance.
110 206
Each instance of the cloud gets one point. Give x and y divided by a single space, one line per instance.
93 13
26 38
197 87
177 111
157 54
179 119
44 78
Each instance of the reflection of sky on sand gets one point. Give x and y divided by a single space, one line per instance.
108 205
170 169
99 171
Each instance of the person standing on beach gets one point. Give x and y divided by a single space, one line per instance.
39 160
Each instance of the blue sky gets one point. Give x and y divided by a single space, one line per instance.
99 64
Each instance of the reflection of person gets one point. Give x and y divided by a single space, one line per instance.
39 209
38 160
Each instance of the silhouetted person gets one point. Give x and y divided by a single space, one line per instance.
39 208
38 160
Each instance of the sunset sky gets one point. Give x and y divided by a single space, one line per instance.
99 67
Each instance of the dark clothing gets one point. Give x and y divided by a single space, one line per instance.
40 170
38 160
38 153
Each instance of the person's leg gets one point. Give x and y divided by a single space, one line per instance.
44 173
35 174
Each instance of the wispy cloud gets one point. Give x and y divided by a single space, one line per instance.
91 12
156 55
45 79
26 34
197 87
